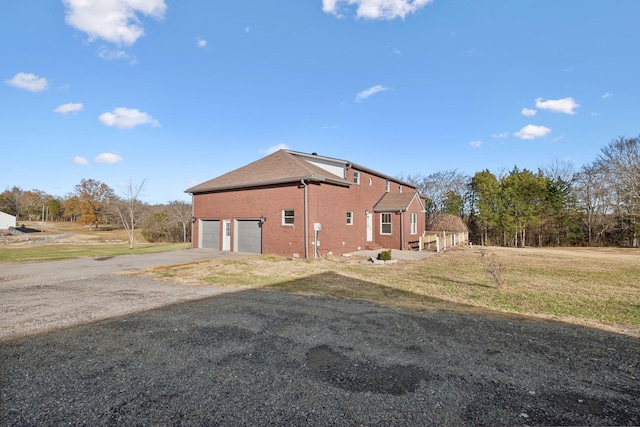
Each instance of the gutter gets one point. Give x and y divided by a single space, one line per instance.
313 178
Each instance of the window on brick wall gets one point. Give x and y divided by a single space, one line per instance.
287 217
349 217
356 177
414 223
387 187
385 223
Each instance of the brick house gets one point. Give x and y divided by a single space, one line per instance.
304 205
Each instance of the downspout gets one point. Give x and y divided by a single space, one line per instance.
401 230
193 223
306 222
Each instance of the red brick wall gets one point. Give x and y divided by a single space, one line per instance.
252 203
327 204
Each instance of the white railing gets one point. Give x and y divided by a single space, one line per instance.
442 240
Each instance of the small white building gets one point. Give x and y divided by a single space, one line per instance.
7 221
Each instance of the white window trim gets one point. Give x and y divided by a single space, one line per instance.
349 218
356 177
387 187
390 223
293 216
414 223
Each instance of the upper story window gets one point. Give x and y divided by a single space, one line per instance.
399 188
349 217
356 177
287 217
370 181
387 186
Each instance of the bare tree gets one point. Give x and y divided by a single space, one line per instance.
621 158
440 189
129 209
180 213
563 169
593 190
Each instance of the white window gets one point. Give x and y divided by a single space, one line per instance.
387 186
385 223
287 217
399 188
370 181
349 218
414 223
356 177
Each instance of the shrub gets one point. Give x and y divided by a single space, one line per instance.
385 255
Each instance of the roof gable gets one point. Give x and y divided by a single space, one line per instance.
277 168
396 202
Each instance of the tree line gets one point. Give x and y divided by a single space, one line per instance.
559 205
94 204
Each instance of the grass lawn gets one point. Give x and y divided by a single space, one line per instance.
76 242
596 287
58 251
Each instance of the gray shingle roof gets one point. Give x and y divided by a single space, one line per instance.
278 168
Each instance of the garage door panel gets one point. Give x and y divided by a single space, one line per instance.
249 236
211 234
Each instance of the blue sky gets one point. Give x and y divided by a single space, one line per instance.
179 92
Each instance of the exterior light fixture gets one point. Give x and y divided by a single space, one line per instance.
193 220
262 219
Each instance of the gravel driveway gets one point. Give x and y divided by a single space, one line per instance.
273 358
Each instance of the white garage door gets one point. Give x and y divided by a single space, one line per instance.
211 234
249 236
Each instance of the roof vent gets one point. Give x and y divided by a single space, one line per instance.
314 154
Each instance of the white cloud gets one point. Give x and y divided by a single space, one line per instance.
114 21
80 161
28 81
274 148
201 42
371 91
111 54
500 135
68 108
532 132
564 105
375 9
127 118
528 112
475 144
607 95
108 158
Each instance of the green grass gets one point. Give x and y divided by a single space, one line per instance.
582 287
52 252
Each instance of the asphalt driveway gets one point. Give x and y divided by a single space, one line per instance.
261 357
38 296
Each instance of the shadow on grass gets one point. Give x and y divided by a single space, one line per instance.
460 282
335 285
